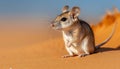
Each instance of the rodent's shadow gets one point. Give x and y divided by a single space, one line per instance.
105 49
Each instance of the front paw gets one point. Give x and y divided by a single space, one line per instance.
69 44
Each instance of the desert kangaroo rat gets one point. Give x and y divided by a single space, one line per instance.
77 34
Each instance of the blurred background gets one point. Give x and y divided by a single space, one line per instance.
45 9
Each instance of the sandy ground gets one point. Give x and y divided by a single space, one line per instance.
42 48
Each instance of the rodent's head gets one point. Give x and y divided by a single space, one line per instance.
66 18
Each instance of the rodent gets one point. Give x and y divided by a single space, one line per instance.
77 34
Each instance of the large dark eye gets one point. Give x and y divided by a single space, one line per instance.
63 19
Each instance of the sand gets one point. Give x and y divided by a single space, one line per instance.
42 48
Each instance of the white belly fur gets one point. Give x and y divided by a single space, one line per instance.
75 49
80 47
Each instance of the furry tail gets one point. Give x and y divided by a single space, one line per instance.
104 42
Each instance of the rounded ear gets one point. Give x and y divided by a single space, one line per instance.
65 8
75 12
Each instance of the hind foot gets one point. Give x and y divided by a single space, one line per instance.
83 55
66 56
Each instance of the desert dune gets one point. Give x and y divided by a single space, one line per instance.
41 47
